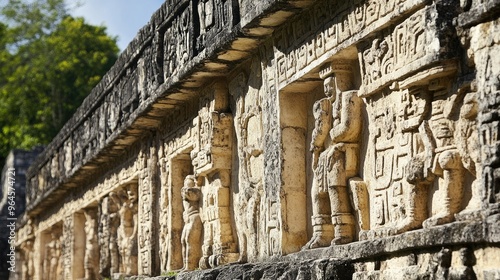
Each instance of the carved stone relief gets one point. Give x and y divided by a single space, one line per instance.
91 261
28 268
212 166
148 181
193 229
248 127
405 137
214 16
164 211
177 38
126 199
335 148
104 237
52 261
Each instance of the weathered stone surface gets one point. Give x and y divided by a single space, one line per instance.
282 140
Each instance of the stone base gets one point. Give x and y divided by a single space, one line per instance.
411 255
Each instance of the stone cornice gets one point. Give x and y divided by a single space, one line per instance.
105 123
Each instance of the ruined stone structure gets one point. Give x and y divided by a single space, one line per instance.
298 139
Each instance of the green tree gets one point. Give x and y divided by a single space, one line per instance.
49 62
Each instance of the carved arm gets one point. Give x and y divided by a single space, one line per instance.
348 128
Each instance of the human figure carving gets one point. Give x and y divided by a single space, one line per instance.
192 231
335 146
114 223
468 147
28 268
127 230
52 257
447 163
91 246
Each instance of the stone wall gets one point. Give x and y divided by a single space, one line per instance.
294 139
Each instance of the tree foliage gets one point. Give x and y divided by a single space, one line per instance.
49 62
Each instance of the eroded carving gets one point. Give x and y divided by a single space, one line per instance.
164 213
193 228
91 261
127 230
52 263
211 158
447 163
248 126
335 161
28 268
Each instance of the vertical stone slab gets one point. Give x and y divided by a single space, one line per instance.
212 159
67 248
38 255
293 124
78 246
272 154
148 180
180 167
484 47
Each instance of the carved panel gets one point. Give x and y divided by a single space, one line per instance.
484 52
211 160
213 16
67 250
178 40
129 93
104 235
329 25
164 215
272 154
213 145
52 261
91 260
248 127
147 187
126 199
394 52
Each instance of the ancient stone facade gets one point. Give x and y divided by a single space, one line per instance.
349 139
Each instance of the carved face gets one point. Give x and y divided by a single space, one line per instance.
329 86
189 182
132 193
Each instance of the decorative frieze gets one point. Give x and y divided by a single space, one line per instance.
354 130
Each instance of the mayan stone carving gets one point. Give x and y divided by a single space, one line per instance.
126 199
193 228
212 166
28 268
91 262
248 126
335 151
280 139
52 267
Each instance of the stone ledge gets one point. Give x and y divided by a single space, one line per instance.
479 13
338 261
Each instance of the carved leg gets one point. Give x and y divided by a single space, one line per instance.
360 201
452 183
321 220
342 218
191 243
322 232
207 246
415 208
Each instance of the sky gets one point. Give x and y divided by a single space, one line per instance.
123 18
